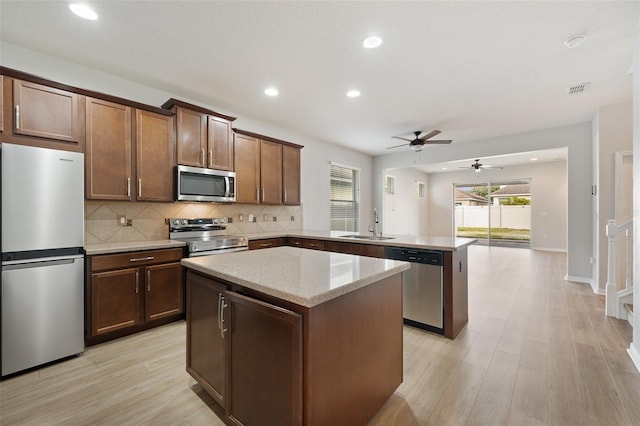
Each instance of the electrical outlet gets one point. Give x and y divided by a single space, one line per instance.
255 219
241 218
229 220
251 218
265 217
129 222
275 218
293 218
122 220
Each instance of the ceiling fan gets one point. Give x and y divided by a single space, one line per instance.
477 166
419 142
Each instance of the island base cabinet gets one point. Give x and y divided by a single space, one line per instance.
206 353
265 363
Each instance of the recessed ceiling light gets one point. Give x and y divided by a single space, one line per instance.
445 168
372 42
534 159
271 91
353 93
573 42
83 11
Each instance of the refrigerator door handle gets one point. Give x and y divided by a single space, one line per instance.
36 264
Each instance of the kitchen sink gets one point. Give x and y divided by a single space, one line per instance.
367 237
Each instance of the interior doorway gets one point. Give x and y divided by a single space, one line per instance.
495 213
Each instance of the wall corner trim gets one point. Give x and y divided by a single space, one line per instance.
634 353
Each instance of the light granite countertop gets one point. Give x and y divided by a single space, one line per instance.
108 248
301 276
426 243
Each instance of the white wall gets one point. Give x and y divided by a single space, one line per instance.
634 349
577 139
315 156
548 200
612 132
403 212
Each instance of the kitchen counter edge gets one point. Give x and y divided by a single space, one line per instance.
110 248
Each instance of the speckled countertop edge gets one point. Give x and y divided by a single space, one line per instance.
110 248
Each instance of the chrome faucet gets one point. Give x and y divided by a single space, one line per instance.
374 228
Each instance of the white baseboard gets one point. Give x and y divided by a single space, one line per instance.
635 355
559 250
585 280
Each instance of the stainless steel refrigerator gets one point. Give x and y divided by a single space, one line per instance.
42 215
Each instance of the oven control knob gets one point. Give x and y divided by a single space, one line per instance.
222 220
176 222
215 221
184 222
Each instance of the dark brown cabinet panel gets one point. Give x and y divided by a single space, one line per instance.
45 112
291 175
266 243
270 172
191 137
370 250
130 292
220 144
206 353
264 362
247 165
115 302
164 292
294 241
108 151
1 103
313 244
155 156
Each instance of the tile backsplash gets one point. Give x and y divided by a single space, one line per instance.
148 219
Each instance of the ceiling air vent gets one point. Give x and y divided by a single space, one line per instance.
578 88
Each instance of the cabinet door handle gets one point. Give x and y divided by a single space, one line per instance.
140 259
221 307
285 195
210 157
137 280
202 156
17 116
460 266
129 187
263 193
148 280
139 187
257 194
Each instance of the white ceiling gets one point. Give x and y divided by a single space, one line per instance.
474 70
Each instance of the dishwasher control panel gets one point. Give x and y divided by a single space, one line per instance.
429 257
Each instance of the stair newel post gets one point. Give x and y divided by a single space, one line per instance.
611 308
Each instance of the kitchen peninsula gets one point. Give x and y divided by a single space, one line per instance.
295 336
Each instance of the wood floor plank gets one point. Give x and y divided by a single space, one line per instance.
538 351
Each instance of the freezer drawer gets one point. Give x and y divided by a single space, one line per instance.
42 311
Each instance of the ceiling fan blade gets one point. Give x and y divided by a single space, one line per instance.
430 135
439 141
404 139
491 167
397 146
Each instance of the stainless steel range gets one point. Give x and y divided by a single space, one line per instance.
206 236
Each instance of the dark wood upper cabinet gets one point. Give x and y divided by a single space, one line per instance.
45 112
291 175
220 144
247 165
270 172
108 151
155 156
191 137
204 136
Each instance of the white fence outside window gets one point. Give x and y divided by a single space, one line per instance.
514 217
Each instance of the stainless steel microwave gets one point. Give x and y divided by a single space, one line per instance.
200 184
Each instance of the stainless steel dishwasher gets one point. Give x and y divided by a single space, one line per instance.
422 287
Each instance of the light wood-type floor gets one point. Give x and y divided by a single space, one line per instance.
537 350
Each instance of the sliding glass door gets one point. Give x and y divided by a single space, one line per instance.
496 213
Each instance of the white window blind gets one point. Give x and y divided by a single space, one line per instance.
420 189
344 198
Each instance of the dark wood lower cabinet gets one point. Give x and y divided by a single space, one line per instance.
333 364
130 292
206 353
265 363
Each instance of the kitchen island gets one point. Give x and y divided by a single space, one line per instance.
294 336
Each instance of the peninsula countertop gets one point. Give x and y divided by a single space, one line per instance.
304 277
426 243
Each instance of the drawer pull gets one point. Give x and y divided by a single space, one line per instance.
141 259
137 281
265 244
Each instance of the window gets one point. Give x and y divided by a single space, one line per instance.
390 185
420 189
345 189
